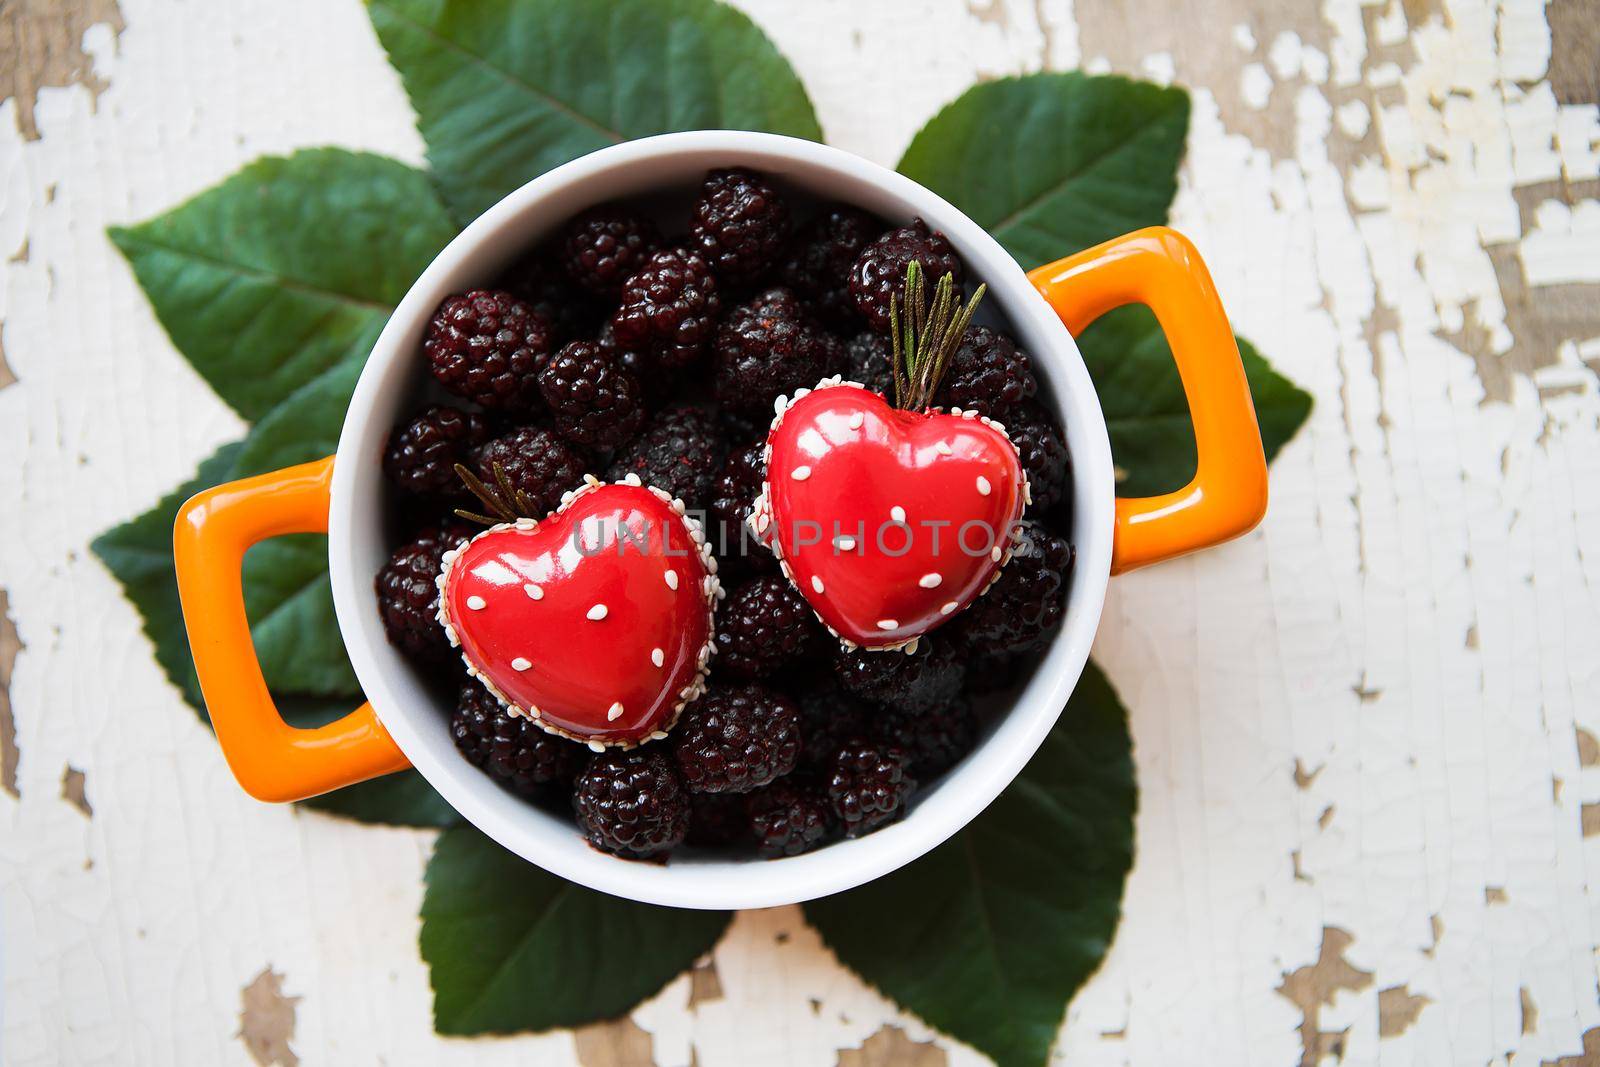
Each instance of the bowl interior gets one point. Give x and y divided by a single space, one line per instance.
662 174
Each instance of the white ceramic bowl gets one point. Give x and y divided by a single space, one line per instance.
358 548
675 164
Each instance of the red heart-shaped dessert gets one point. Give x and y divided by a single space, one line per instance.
595 622
888 521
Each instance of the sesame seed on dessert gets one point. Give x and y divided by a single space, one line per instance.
844 544
520 664
477 603
597 612
931 580
983 486
800 474
947 608
657 656
943 448
897 513
816 583
533 591
888 624
672 579
614 712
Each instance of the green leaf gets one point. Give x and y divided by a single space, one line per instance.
513 947
1051 164
1088 159
287 268
1021 905
1152 437
274 285
304 427
139 554
403 799
507 89
287 597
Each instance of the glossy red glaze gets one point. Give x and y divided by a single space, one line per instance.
604 606
842 461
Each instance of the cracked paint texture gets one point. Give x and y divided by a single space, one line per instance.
10 645
1348 725
266 1021
42 41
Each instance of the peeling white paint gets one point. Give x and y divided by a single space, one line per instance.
1158 67
1390 26
1564 245
1354 119
1578 139
1255 85
1285 55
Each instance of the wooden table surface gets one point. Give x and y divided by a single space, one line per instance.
1366 735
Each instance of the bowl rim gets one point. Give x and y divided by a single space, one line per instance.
536 835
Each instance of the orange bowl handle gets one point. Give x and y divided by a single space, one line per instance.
271 759
1161 269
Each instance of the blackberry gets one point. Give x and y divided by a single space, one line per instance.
604 245
631 803
509 747
988 373
736 738
534 461
540 281
739 224
717 820
869 361
744 426
669 308
680 452
422 454
818 266
654 380
829 716
926 679
762 627
408 593
486 346
880 271
1026 603
768 347
733 494
594 400
991 673
789 817
936 738
869 784
1043 456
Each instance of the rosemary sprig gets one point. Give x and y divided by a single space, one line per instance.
925 336
502 502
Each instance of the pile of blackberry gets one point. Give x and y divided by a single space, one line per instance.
616 349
